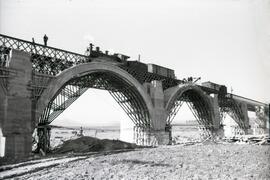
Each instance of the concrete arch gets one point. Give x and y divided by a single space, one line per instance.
85 69
174 93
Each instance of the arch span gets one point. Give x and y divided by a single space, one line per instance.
199 103
237 111
104 71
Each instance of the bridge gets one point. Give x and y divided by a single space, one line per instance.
38 83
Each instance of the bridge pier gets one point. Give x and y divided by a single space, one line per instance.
159 113
3 105
260 124
218 130
149 137
16 108
268 119
244 111
144 136
156 133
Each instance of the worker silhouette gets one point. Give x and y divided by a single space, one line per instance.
45 39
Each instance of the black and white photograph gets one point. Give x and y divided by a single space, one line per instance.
135 89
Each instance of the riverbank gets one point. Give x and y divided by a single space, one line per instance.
198 161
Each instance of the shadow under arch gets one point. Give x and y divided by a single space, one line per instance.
198 102
116 80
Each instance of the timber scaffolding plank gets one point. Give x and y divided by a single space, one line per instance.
249 139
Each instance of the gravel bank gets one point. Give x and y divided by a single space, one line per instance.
210 161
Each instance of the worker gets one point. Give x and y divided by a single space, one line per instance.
45 39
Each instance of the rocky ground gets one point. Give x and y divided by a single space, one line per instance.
197 161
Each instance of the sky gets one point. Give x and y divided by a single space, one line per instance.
223 41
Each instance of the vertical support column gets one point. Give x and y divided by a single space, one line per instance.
44 134
16 108
3 105
159 114
218 128
157 97
244 111
168 129
259 123
156 135
269 119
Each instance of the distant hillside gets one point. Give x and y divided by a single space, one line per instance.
54 126
187 123
61 127
88 127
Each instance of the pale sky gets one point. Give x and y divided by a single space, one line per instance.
223 41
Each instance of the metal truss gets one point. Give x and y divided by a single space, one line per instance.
45 59
261 117
4 74
124 94
222 115
198 107
127 101
39 81
65 97
50 60
142 137
39 84
4 56
174 110
4 71
260 122
232 108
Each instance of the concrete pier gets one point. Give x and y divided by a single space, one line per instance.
156 134
16 108
218 129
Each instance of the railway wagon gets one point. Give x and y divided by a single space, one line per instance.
160 70
152 68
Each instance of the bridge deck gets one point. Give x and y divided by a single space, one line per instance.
50 60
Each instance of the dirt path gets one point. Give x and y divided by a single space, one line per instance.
167 162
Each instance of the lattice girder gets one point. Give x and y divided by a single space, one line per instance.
232 108
52 61
47 60
60 103
198 107
124 93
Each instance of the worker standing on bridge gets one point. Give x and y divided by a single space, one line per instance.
45 39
